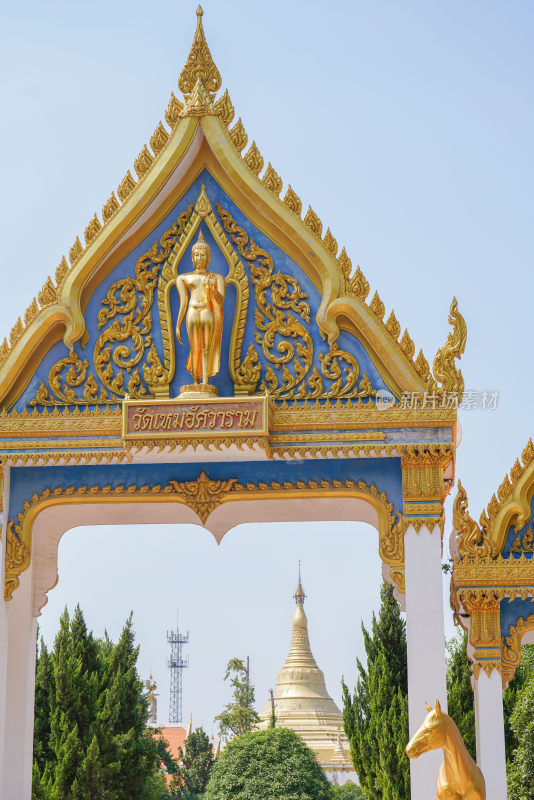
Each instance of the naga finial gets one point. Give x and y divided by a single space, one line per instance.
472 541
444 368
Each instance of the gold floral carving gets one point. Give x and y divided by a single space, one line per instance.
445 371
159 139
174 109
238 135
407 346
224 108
110 206
472 541
484 607
248 372
511 647
293 201
330 242
421 365
422 475
4 350
199 65
203 495
143 162
61 272
313 222
285 341
126 187
31 312
16 332
76 251
272 180
392 326
48 294
377 306
253 159
92 229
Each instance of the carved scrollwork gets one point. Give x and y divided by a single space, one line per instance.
126 316
472 541
286 343
66 377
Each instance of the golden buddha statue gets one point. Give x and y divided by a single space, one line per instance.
201 303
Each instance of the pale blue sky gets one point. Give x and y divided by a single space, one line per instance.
408 127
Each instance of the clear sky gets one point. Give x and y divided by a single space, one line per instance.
408 127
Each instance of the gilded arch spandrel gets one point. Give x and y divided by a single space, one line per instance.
203 495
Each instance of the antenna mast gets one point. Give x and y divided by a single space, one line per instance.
176 663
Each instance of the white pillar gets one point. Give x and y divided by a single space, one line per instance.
17 751
425 634
3 623
491 753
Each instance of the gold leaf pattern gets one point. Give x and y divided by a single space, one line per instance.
48 294
238 135
110 206
126 187
199 64
16 332
159 139
272 180
143 161
4 350
224 108
174 109
92 229
377 306
61 272
421 365
313 222
345 265
528 453
407 346
31 312
330 242
359 285
76 251
254 159
293 201
393 326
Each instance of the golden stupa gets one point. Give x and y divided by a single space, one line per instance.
302 702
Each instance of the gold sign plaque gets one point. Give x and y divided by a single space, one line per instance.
181 418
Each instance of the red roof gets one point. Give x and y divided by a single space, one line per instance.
175 738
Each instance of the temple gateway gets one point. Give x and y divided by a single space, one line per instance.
207 331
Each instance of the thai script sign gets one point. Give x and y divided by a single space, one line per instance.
169 419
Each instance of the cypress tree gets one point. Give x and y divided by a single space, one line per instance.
196 761
521 766
460 695
376 715
91 741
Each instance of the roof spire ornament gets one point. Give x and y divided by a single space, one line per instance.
200 79
299 594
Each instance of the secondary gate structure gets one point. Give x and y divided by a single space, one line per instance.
208 355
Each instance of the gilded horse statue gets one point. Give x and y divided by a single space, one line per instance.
459 778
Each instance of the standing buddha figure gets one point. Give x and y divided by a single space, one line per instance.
201 303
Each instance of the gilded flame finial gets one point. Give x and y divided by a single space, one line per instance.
444 368
199 65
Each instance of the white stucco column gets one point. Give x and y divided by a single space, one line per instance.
425 634
491 754
17 751
3 622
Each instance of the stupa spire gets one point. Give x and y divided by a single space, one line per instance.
300 654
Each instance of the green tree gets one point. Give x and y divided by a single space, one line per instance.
94 744
521 766
196 762
459 692
376 715
273 764
239 716
349 791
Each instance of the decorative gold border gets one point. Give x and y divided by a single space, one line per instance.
203 495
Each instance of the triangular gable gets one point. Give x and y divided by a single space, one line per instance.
298 319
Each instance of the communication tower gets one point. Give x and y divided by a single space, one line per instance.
176 663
